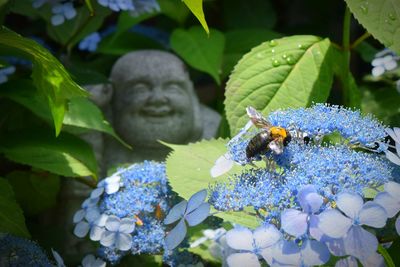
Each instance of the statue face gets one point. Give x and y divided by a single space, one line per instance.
153 102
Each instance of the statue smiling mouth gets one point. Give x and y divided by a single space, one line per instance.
152 111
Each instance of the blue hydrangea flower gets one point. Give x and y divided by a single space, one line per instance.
62 12
193 212
117 5
125 211
389 199
357 241
17 251
90 42
5 72
251 244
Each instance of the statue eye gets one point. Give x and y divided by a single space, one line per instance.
139 88
173 88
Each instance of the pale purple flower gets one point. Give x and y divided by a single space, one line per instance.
389 199
298 223
62 12
89 210
251 244
385 60
94 223
111 185
117 233
117 5
91 261
356 241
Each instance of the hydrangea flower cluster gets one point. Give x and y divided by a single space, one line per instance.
124 213
316 198
17 251
385 60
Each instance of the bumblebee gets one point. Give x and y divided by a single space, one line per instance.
271 138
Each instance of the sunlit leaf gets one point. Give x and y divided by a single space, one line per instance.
11 217
49 75
188 171
381 18
288 72
196 6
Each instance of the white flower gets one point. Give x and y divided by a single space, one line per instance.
91 261
117 233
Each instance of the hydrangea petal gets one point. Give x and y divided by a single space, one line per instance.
108 238
243 259
314 253
266 236
92 214
360 243
127 225
57 19
333 223
176 212
392 157
123 241
198 215
101 221
81 229
389 203
313 202
57 257
335 245
222 165
313 229
287 253
294 222
373 214
70 12
347 262
393 189
240 238
397 224
375 260
87 260
394 133
111 188
97 192
196 200
176 235
113 223
350 204
96 232
78 216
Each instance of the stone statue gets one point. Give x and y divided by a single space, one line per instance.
153 99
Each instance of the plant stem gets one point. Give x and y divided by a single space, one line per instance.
346 55
359 40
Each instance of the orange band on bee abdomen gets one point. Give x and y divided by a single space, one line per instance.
277 132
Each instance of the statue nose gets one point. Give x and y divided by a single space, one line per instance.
158 97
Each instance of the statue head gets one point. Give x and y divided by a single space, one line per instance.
154 99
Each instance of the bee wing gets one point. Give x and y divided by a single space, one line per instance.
276 146
257 118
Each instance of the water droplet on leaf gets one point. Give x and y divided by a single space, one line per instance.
364 9
272 43
290 60
275 62
284 56
392 16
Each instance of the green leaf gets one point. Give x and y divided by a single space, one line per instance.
84 23
3 2
366 51
89 6
200 51
188 171
65 155
35 191
196 6
381 18
249 14
11 216
383 102
81 112
174 9
239 42
49 76
126 43
288 72
349 86
388 260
